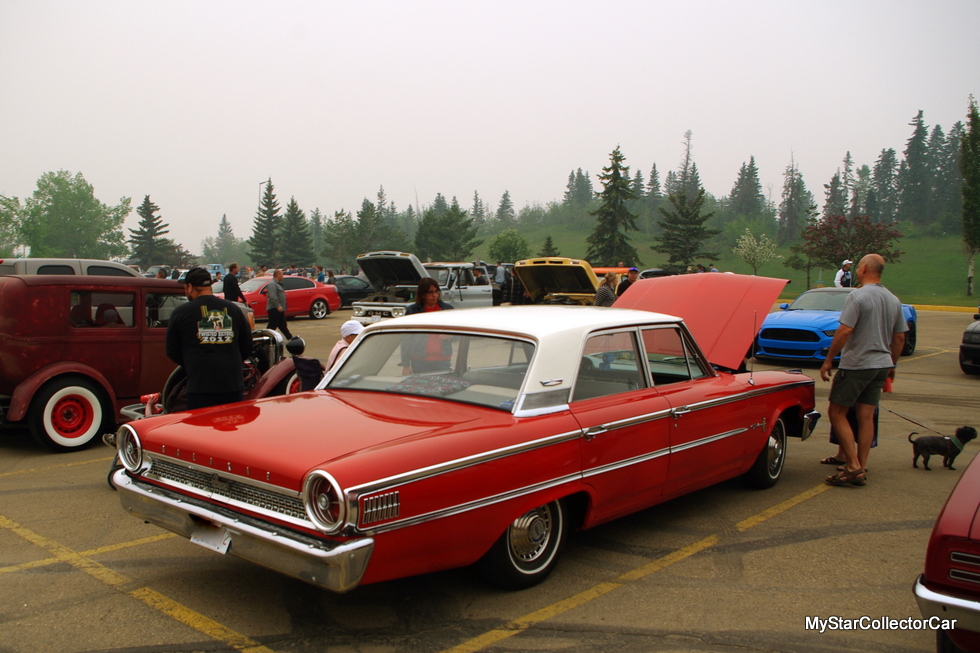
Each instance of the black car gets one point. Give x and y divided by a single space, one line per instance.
970 348
352 288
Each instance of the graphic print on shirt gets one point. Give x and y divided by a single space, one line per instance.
215 327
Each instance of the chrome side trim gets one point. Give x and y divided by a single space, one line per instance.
707 440
627 462
473 505
392 482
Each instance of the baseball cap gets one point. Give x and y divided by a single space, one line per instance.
633 270
198 277
351 328
847 261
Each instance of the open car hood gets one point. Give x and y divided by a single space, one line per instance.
556 276
386 269
723 311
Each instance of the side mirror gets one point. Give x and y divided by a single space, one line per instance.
783 306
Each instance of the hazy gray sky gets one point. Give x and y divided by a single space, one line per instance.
197 103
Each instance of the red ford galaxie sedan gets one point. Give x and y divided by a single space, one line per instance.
476 436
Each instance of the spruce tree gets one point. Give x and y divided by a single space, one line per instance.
264 243
316 233
746 198
147 241
479 210
608 243
835 201
505 217
584 191
884 181
970 169
549 249
797 206
684 232
450 236
295 241
915 180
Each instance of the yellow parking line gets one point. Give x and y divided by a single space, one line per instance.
521 624
45 469
151 598
935 353
33 564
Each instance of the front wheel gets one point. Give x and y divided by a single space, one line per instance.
528 550
319 310
909 348
769 464
67 414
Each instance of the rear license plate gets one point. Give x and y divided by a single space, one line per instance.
212 537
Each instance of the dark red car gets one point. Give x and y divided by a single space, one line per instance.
75 349
949 587
303 297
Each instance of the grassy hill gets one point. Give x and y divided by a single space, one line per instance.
932 270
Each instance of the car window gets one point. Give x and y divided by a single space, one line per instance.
56 269
441 275
483 370
106 271
669 357
97 309
609 365
159 307
296 283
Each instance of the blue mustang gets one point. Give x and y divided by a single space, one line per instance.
804 329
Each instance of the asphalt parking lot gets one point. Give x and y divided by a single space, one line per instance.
723 569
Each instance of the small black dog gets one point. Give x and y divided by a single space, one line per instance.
939 445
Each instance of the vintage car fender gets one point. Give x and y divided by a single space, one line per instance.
20 401
268 381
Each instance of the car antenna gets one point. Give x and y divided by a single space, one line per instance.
755 322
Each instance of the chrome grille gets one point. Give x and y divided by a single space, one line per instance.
380 507
216 486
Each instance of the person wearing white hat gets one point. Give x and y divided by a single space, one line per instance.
843 278
349 330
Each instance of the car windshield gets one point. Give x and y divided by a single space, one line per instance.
484 370
820 301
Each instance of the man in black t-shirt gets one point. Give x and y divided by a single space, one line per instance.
210 338
630 279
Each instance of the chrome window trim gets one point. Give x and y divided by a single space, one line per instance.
626 462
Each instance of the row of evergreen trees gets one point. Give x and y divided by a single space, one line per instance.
921 191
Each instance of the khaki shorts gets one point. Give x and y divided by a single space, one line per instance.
858 386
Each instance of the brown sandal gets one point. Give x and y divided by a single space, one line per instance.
847 478
831 460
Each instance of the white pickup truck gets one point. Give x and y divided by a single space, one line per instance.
395 277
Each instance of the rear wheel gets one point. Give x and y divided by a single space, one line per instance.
769 465
319 309
909 347
289 385
528 550
67 414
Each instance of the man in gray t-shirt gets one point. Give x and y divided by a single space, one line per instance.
870 340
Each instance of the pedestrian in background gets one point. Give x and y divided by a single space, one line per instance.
605 294
630 279
209 337
870 340
233 292
275 304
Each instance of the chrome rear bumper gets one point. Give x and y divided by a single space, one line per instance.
934 604
809 424
336 566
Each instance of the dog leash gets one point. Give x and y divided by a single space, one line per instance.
909 419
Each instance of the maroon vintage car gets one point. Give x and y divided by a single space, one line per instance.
303 296
476 436
949 587
74 349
